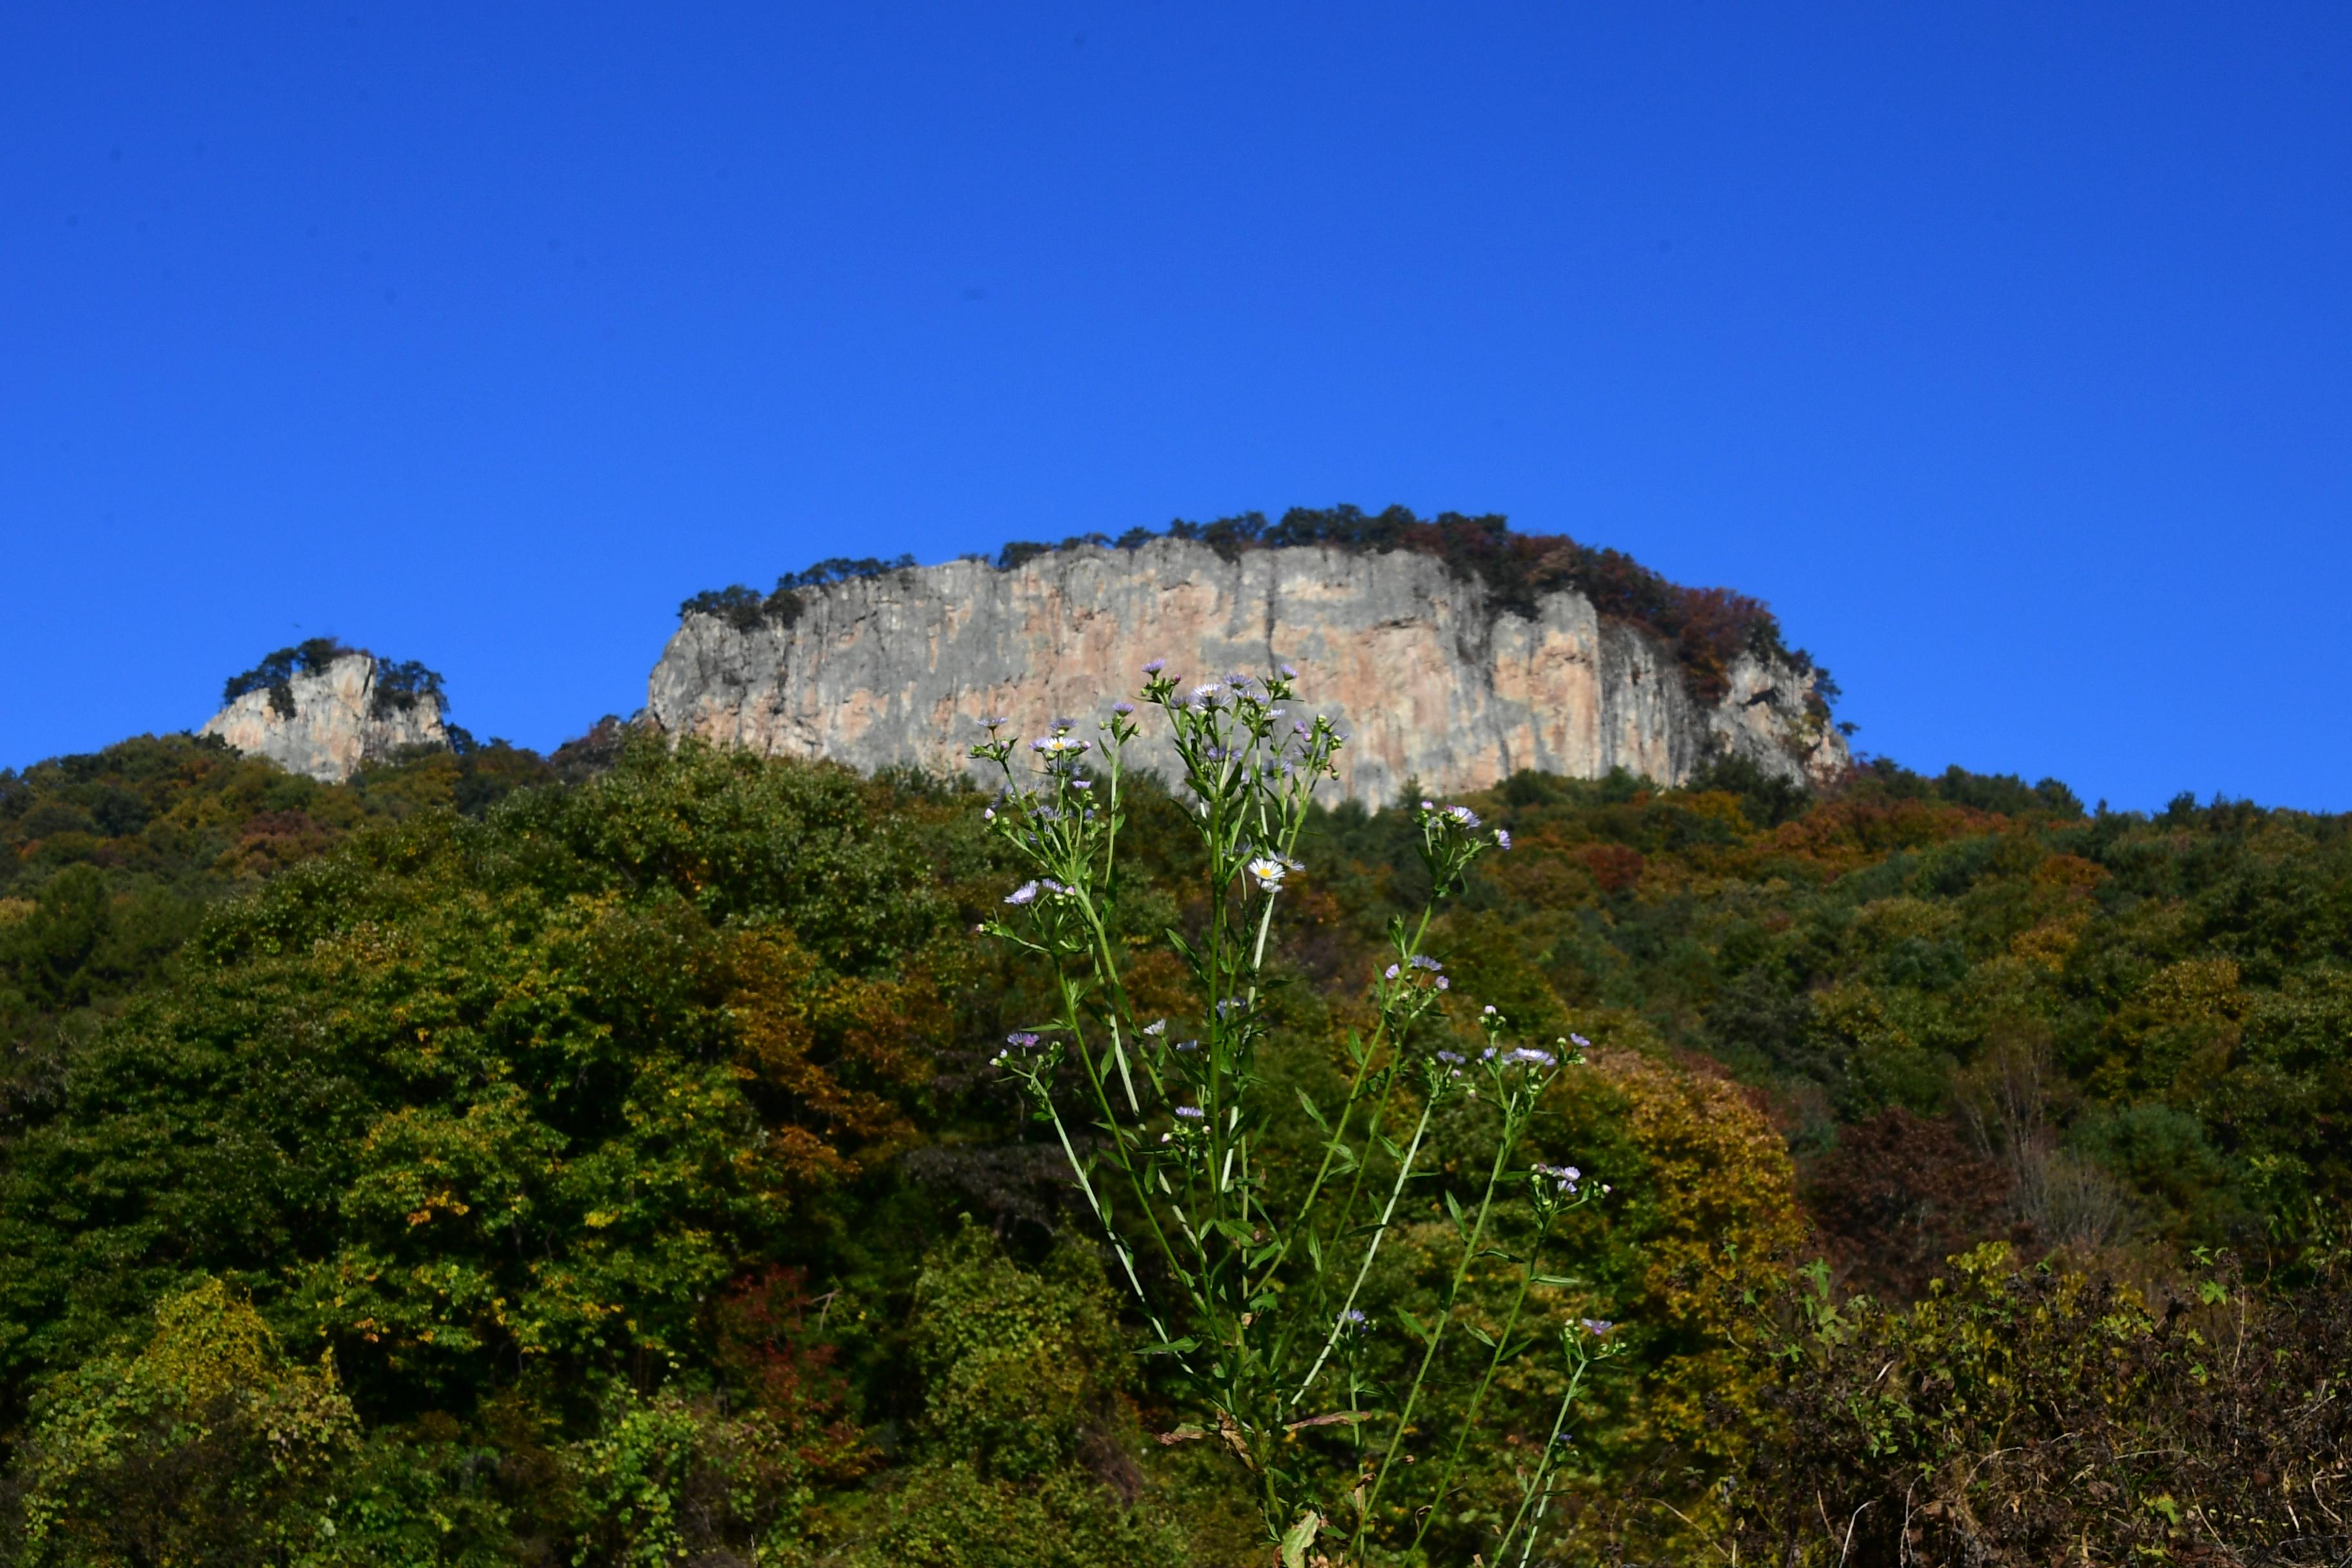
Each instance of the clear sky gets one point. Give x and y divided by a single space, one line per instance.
2005 350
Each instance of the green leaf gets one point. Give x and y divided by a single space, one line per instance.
1314 1115
1453 1208
1299 1538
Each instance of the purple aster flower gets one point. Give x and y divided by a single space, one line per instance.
1580 1039
1597 1326
1288 673
1022 1041
1122 708
1155 667
1502 838
1026 893
1191 1112
1462 814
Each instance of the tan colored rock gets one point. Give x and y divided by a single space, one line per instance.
1430 681
335 728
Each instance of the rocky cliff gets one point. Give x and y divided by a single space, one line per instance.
1429 679
327 723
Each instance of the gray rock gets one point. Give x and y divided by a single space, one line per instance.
335 728
1428 678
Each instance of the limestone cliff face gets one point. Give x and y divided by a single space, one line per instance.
335 727
1425 677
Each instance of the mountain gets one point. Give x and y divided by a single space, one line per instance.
1438 674
327 713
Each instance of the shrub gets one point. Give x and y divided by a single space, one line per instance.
2031 1416
207 1445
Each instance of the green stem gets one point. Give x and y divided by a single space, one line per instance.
1118 1150
1536 1483
1126 1258
1339 1322
1478 1400
1437 1334
1339 1134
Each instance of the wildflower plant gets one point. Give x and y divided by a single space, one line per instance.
1256 1292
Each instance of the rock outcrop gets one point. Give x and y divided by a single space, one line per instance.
337 723
1430 680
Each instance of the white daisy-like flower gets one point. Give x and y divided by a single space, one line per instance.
1269 872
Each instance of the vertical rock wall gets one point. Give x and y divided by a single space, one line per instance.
335 726
1429 679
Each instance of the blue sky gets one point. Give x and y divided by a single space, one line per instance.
2005 350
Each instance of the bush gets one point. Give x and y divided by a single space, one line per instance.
1028 1449
2031 1416
207 1445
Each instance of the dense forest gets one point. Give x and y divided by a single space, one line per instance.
602 1158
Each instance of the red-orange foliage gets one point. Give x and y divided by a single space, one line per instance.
1616 866
1847 833
838 1049
769 1350
1898 1195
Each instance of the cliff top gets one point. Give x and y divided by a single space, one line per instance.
1708 628
396 686
326 709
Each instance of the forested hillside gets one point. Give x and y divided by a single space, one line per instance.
601 1159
